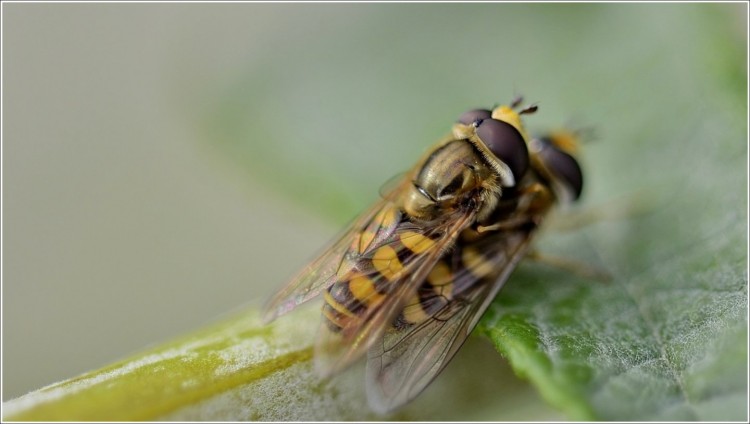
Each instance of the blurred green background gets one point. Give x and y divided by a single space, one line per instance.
166 164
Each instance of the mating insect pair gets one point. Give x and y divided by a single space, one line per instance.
409 279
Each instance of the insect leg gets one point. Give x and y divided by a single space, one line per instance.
534 198
580 269
613 210
508 224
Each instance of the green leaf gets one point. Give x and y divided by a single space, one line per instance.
665 88
328 118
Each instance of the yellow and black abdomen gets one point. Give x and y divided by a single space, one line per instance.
383 264
377 272
474 261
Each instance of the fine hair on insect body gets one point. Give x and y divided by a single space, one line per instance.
408 280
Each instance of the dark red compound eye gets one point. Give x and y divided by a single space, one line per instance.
474 115
506 143
563 166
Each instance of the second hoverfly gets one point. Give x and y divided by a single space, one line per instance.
409 279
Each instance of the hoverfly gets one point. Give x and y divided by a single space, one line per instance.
409 279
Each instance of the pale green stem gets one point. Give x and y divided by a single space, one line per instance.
235 370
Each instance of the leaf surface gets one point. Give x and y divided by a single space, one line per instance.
664 88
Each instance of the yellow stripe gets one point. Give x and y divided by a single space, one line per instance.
440 275
441 279
365 239
364 290
414 312
506 114
476 263
336 305
510 116
331 317
339 321
416 242
386 218
386 262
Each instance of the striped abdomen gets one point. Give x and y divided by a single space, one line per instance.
382 254
461 269
376 271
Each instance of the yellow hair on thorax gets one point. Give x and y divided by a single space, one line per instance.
508 115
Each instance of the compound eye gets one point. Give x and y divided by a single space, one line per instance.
563 166
474 115
506 143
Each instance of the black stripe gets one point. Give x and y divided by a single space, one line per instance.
341 293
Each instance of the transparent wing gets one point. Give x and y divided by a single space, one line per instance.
414 250
408 358
338 258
